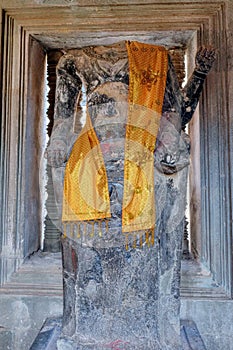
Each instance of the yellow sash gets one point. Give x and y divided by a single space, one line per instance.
85 195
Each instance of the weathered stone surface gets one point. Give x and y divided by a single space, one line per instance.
47 338
214 319
213 20
191 337
24 315
5 338
31 295
48 335
111 294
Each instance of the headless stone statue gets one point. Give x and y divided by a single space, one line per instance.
116 297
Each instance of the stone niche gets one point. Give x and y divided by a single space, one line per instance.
114 295
204 23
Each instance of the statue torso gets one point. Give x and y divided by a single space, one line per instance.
105 77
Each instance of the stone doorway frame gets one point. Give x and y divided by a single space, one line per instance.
22 105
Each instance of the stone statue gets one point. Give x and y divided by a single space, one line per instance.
116 297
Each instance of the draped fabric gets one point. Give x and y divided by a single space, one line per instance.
148 72
85 195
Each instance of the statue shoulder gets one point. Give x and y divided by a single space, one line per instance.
72 61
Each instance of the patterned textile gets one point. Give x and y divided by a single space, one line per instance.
86 196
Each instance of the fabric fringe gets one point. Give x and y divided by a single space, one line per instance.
90 229
85 228
139 239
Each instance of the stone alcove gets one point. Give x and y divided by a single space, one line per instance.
23 102
23 84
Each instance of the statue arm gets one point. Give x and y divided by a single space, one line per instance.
172 143
67 92
204 60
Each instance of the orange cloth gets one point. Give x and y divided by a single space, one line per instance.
85 195
148 72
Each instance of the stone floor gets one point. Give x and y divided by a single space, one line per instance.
49 334
36 292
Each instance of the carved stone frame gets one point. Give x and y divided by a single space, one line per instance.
207 20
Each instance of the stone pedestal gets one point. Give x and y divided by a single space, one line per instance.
114 296
121 296
48 338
